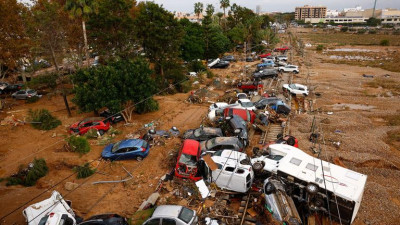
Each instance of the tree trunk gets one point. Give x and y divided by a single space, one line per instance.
53 56
66 102
85 41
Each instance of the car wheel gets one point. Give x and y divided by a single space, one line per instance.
312 188
139 158
101 132
269 188
258 166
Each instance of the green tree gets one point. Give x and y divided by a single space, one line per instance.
219 15
14 42
111 28
114 86
160 35
82 9
210 10
372 21
193 42
198 8
224 4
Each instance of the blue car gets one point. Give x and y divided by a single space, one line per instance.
126 149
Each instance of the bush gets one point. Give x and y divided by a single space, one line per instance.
210 74
384 42
29 176
44 81
196 66
320 47
185 87
78 144
91 134
84 171
149 105
372 31
32 99
344 29
42 119
362 31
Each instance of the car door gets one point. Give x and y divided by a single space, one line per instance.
168 221
225 176
85 127
155 221
20 95
122 153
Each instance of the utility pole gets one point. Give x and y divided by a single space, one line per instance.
373 12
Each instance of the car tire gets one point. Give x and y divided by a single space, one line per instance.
296 72
312 188
269 188
258 166
101 132
139 158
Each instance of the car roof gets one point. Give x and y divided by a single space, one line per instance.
167 211
92 119
130 143
226 140
212 130
190 147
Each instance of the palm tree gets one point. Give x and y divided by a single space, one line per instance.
219 15
82 9
198 8
224 4
210 10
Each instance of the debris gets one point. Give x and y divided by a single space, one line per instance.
150 201
368 76
329 113
69 186
116 181
54 135
203 189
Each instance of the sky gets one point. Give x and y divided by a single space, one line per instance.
278 5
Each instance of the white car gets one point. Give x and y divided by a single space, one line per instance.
289 68
172 214
296 89
217 105
281 58
243 104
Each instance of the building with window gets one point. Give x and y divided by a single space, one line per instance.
310 12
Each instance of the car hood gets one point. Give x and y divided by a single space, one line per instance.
107 151
75 125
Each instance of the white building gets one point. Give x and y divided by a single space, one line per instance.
356 9
332 13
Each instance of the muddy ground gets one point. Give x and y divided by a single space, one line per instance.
357 121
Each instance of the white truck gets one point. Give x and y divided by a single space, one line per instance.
325 187
52 211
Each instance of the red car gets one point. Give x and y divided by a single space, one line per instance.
253 86
186 166
282 49
247 115
264 55
90 123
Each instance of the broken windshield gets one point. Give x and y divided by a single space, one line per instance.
189 160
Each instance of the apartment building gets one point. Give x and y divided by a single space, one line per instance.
310 12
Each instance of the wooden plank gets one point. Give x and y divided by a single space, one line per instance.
210 163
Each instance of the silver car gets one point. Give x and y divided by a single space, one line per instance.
24 94
172 214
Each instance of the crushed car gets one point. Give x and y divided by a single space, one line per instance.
218 143
203 133
52 211
187 161
86 124
326 188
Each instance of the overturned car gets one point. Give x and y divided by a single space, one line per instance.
325 187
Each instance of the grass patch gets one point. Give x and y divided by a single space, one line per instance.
84 171
43 120
341 38
28 175
139 217
384 42
78 144
388 84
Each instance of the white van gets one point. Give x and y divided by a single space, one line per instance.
52 211
232 171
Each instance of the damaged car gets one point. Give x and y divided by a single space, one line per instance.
324 187
187 162
126 149
172 214
203 133
220 143
280 204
